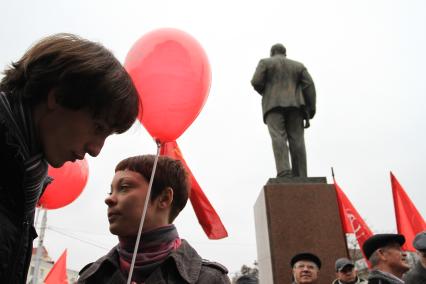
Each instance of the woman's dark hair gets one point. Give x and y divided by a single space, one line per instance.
169 173
81 73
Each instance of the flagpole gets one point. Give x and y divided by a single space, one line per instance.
37 215
39 246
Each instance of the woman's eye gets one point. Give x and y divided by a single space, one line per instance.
124 187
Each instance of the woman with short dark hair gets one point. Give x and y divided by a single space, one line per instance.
162 256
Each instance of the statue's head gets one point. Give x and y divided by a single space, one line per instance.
278 49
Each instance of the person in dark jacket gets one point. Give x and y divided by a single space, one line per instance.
57 103
387 259
346 272
162 256
418 273
288 99
247 279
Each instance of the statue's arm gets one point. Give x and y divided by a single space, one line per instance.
309 93
258 80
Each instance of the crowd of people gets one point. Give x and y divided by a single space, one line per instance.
388 263
59 102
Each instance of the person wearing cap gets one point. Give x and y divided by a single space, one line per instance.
306 268
247 279
387 259
346 272
418 273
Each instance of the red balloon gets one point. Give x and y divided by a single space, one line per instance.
172 74
68 182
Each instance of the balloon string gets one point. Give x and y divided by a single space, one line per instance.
148 196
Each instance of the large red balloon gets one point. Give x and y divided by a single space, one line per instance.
68 182
172 74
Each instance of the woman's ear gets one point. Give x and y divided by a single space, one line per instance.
166 198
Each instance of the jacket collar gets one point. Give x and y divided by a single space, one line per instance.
337 281
185 258
111 258
188 262
385 276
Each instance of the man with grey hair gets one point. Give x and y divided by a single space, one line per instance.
418 273
387 259
288 99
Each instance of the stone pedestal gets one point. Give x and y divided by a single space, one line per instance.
293 216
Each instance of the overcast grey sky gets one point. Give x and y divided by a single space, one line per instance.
367 59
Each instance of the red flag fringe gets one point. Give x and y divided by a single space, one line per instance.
408 219
206 215
351 220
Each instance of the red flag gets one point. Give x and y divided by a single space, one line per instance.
408 219
206 215
58 273
351 220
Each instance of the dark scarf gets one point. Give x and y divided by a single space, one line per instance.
17 117
154 247
377 274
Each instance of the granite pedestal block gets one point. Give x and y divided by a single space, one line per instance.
297 215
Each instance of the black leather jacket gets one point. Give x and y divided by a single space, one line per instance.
16 229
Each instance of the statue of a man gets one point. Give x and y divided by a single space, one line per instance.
288 102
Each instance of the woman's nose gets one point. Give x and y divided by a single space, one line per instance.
110 200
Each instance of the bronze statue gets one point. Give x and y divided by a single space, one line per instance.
288 103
